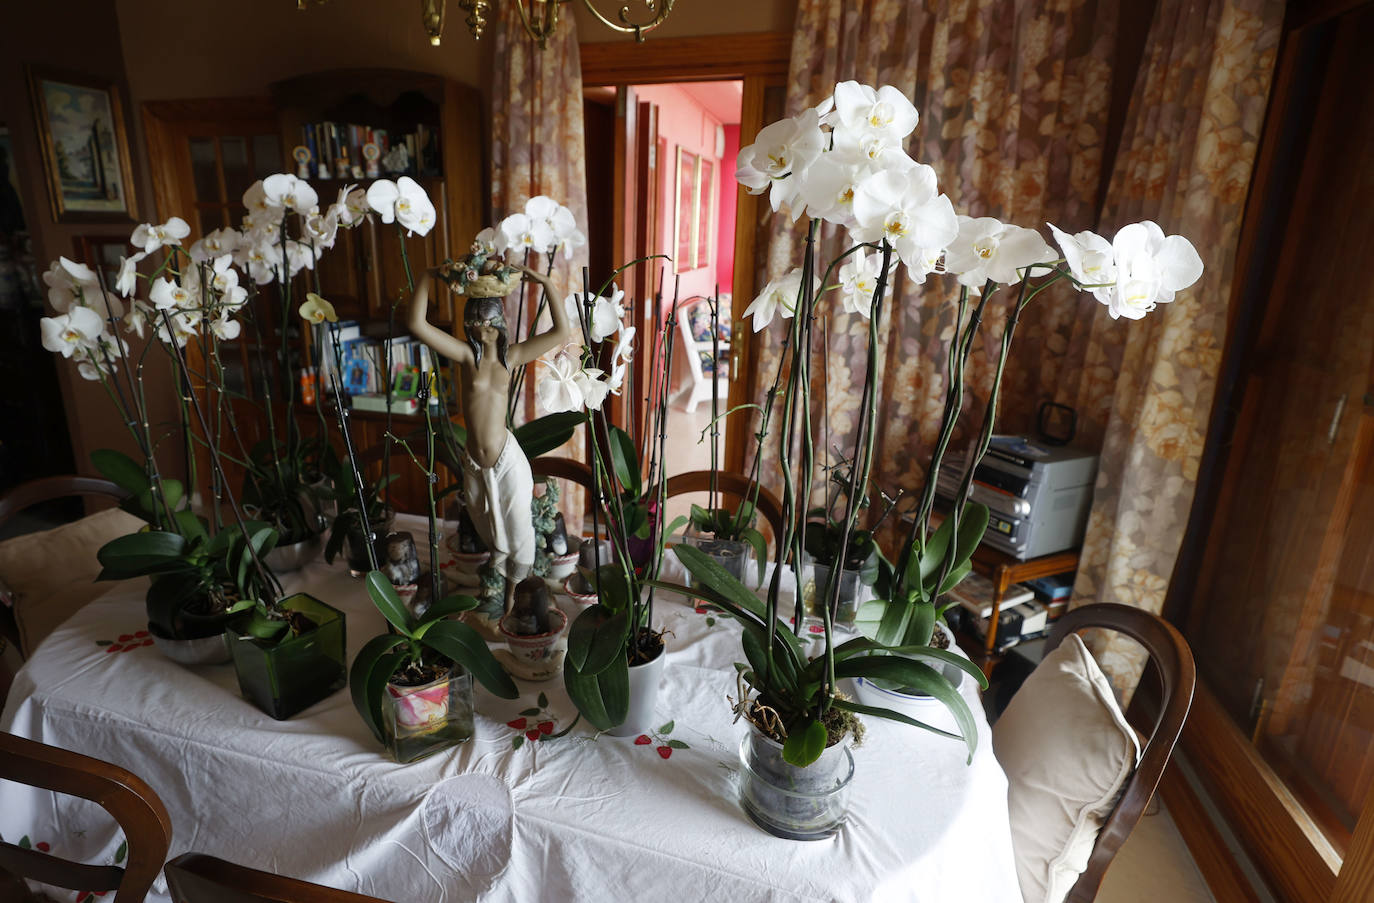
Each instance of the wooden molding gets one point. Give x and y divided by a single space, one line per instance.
704 58
1282 839
1224 877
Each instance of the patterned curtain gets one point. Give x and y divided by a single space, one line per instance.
1146 388
538 147
1013 101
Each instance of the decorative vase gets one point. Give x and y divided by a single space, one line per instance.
283 677
734 556
921 706
574 587
420 721
807 803
853 592
293 557
536 657
208 650
645 679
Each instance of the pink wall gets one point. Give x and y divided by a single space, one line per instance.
728 194
685 123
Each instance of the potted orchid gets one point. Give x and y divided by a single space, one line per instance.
843 163
203 570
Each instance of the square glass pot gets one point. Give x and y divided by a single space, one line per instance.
287 676
421 721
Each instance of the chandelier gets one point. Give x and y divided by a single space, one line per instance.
539 17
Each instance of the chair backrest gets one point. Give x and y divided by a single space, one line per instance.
198 878
696 335
46 489
578 472
1173 663
134 805
735 485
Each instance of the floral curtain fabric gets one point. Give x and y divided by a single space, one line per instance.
538 147
1185 160
1014 102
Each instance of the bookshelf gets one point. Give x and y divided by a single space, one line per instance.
364 275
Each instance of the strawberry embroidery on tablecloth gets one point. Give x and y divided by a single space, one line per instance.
706 608
660 741
535 723
127 642
43 846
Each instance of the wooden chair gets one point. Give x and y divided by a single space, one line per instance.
133 804
578 472
1172 662
46 489
697 351
734 485
198 878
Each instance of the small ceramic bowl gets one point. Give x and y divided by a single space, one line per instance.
563 566
535 651
582 599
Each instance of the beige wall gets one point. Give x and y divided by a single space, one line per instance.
82 37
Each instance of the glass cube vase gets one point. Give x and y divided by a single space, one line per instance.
285 676
420 721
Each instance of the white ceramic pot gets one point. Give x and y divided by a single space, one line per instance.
920 706
293 557
210 650
644 683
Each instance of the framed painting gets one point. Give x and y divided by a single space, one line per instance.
80 124
684 223
706 211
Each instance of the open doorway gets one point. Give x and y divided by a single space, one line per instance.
660 180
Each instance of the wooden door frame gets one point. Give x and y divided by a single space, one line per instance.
1285 842
759 60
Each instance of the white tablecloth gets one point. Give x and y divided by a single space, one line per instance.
584 817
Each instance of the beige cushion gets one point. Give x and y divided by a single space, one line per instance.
1067 752
51 574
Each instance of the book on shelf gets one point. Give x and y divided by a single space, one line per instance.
975 594
1053 588
1014 624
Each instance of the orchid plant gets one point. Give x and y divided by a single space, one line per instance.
843 163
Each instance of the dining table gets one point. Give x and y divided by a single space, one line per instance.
517 812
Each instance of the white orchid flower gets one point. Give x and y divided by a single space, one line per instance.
778 298
342 212
127 279
317 310
593 388
286 190
150 237
381 197
828 186
358 207
859 280
299 256
520 232
904 208
1090 260
136 320
624 345
183 322
258 206
225 328
557 391
402 201
260 260
69 333
214 244
606 315
90 369
71 283
570 242
486 240
778 158
322 228
986 249
1150 269
617 379
167 295
885 111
